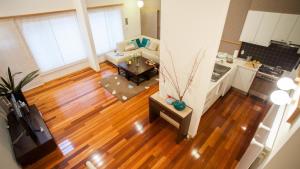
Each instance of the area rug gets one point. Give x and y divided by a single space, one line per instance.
123 89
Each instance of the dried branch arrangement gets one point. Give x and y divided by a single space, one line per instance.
166 74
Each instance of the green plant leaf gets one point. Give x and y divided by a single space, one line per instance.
16 74
3 90
27 79
3 86
5 83
11 79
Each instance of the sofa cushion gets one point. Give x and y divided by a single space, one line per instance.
132 52
130 47
150 54
121 46
152 45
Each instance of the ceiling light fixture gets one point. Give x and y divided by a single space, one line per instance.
286 83
140 3
280 97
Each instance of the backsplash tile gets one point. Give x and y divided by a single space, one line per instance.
274 55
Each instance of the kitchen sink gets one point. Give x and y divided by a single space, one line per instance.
219 71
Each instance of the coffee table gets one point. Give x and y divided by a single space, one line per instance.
138 71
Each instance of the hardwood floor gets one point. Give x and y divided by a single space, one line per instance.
89 123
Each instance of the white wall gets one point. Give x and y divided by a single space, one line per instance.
288 155
14 53
132 12
187 27
17 7
7 159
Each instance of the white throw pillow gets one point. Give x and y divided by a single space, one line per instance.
130 47
121 46
152 46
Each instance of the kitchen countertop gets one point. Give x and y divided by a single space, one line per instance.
236 62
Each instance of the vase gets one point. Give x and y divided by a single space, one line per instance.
179 105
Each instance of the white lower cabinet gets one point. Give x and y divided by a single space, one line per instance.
228 81
220 90
243 79
211 97
239 77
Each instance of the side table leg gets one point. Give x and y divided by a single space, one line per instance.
153 113
183 129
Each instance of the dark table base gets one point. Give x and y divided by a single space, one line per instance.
137 78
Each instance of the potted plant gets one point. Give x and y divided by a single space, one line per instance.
8 85
179 104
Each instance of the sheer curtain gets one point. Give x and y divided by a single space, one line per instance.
54 40
107 28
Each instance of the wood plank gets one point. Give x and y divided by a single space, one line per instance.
87 120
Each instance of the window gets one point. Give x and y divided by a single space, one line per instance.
107 28
54 40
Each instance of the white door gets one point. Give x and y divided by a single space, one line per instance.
243 79
294 37
266 28
251 26
284 27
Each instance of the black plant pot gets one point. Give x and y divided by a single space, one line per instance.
18 96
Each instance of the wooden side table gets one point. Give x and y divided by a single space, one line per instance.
158 104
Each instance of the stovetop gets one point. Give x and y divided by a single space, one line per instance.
273 71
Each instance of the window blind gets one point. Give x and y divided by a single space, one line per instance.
107 28
54 40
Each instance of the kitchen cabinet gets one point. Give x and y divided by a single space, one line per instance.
284 27
262 27
251 26
228 81
220 89
266 28
243 78
213 96
294 36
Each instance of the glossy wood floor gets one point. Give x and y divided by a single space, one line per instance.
88 123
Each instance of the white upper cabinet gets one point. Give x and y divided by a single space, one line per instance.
266 28
284 27
294 37
251 26
262 27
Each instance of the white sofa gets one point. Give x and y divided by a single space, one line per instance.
122 55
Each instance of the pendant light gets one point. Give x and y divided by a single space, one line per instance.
140 3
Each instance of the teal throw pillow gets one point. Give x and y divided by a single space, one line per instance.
145 41
137 42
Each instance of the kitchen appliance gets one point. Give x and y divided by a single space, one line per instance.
265 81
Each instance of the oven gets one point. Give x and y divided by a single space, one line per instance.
263 85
